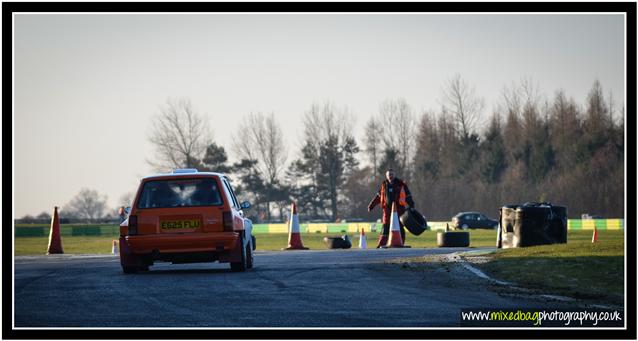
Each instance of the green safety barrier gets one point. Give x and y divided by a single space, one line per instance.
27 230
260 228
68 230
37 231
600 224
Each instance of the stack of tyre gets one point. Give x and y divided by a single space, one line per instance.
531 224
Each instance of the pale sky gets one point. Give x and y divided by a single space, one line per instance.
86 86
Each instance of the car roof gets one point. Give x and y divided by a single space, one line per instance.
460 213
185 175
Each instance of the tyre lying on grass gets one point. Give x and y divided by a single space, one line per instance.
453 239
342 242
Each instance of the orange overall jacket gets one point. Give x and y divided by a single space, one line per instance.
396 192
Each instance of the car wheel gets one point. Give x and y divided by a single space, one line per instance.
241 265
130 269
249 256
464 227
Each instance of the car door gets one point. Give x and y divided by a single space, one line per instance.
481 221
474 221
234 205
467 219
485 221
238 213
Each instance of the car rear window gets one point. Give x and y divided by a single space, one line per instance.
180 193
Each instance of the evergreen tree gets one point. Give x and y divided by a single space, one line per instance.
215 159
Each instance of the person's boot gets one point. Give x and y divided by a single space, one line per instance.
383 239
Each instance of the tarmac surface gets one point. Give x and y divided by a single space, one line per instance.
313 288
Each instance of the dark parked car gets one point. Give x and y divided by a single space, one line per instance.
473 220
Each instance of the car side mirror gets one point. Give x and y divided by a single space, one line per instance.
244 205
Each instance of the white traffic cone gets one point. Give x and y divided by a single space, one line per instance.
363 244
114 248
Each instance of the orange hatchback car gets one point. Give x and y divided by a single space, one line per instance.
186 217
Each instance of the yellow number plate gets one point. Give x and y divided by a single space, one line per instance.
180 224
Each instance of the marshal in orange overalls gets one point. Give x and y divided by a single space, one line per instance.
395 191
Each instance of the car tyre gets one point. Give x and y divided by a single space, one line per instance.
254 242
242 264
130 269
453 239
464 227
249 256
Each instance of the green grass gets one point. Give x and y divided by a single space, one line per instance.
578 269
38 245
273 241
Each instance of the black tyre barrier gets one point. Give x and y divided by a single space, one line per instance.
532 224
453 239
414 221
342 242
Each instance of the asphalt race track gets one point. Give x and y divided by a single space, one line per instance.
331 288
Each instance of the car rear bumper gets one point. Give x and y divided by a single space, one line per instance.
181 243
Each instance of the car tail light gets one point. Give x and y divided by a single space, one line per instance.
132 225
228 221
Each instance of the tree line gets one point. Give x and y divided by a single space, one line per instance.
457 158
530 148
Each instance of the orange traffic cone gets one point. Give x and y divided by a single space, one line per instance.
114 248
294 235
55 240
394 239
363 244
594 237
383 239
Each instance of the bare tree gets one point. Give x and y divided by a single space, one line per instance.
328 154
611 108
566 130
43 216
179 134
398 124
260 138
88 204
372 143
126 199
460 100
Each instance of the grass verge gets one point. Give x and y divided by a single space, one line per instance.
24 246
577 269
272 241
